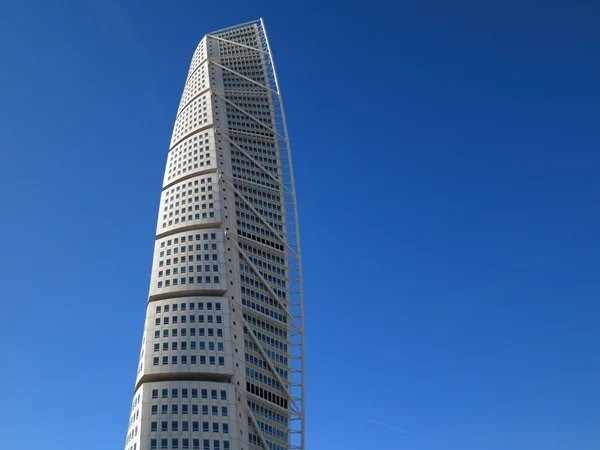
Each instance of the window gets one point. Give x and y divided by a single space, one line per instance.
221 360
195 426
164 444
225 428
154 409
164 426
175 426
224 411
174 393
196 443
154 426
153 444
205 428
164 409
154 393
155 361
215 410
223 395
174 409
206 444
185 426
195 409
204 393
205 410
213 394
215 427
194 393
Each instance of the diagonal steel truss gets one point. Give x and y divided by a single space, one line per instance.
283 184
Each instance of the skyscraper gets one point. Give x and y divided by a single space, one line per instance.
222 360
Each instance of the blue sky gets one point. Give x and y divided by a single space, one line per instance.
447 161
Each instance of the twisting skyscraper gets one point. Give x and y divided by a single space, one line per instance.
222 359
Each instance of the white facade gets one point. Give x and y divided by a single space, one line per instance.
222 360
